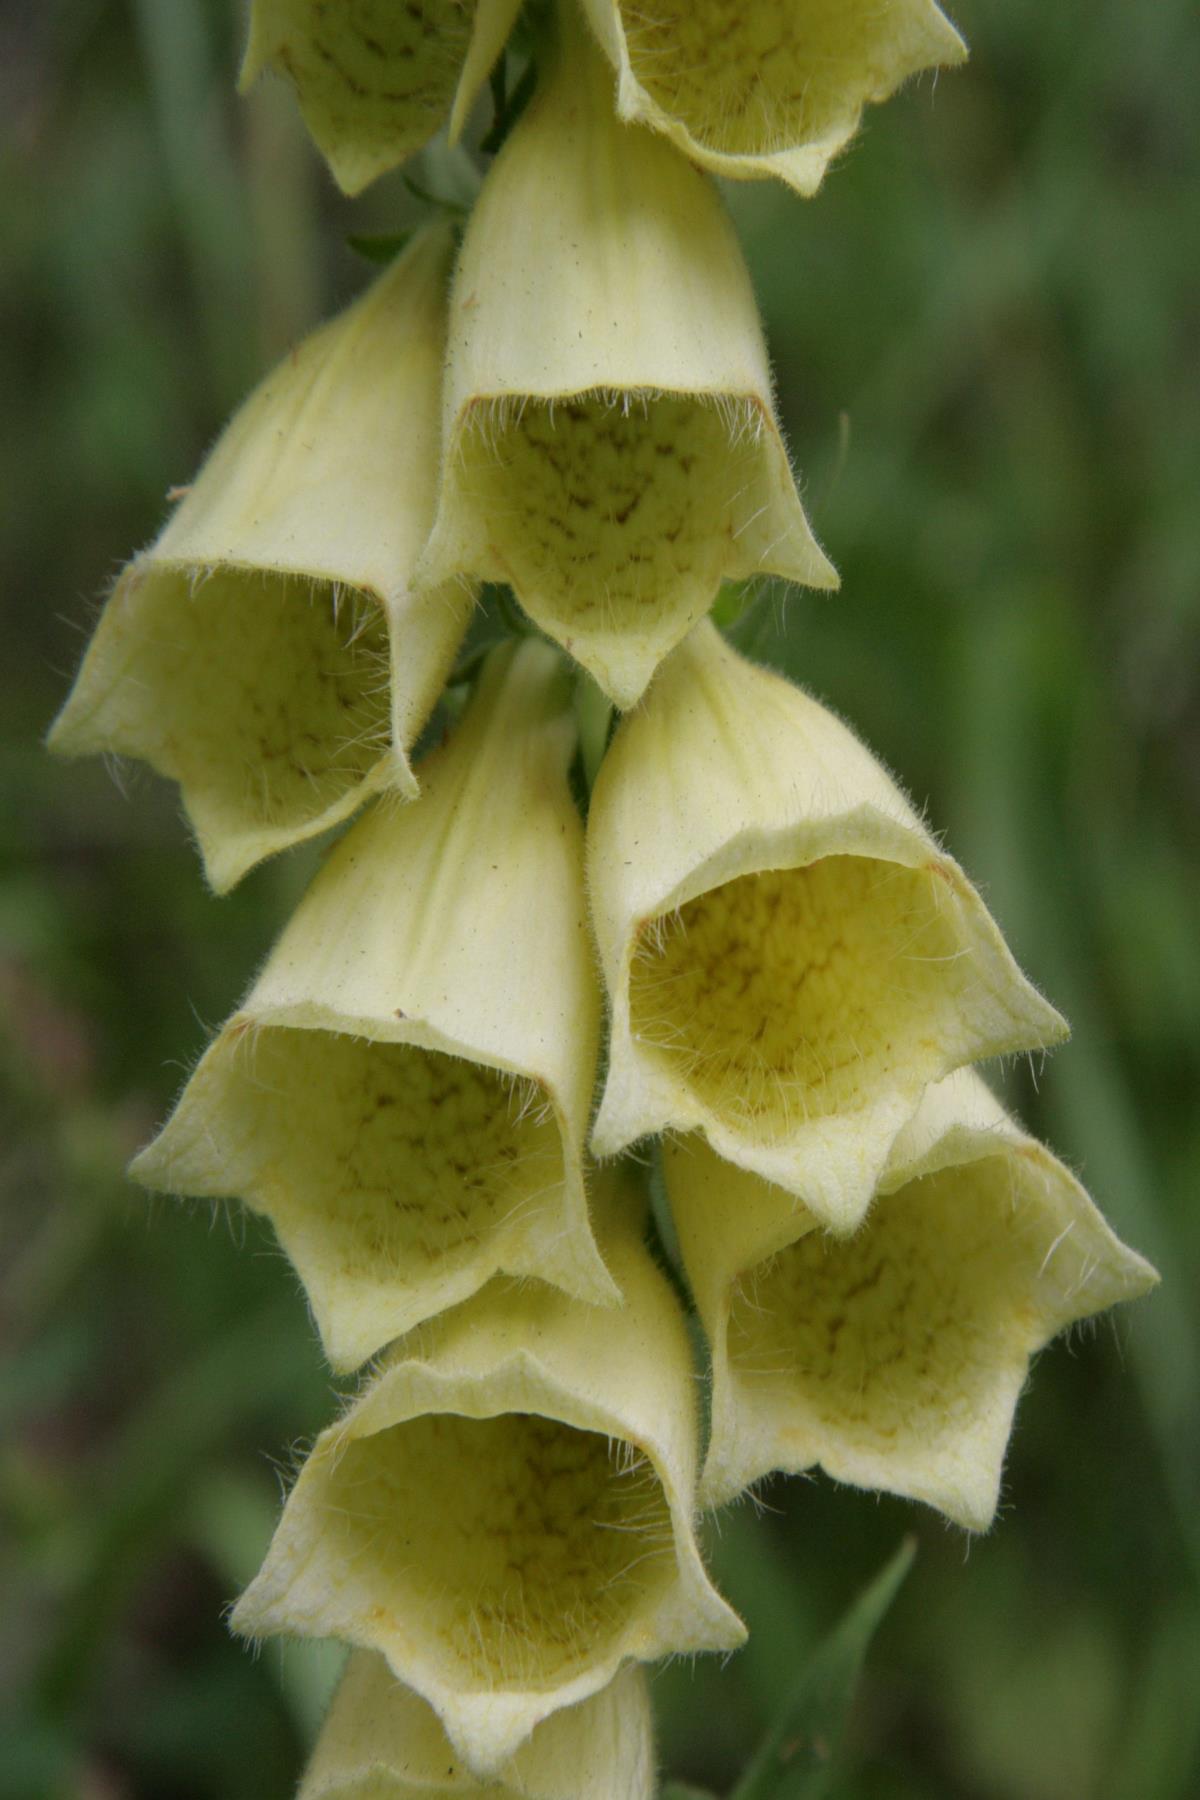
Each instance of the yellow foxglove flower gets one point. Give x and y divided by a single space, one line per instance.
790 958
377 78
381 1741
506 1513
246 653
893 1358
405 1092
775 87
610 442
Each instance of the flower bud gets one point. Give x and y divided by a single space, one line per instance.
246 653
776 88
406 1090
506 1513
381 1741
893 1358
790 959
610 443
375 79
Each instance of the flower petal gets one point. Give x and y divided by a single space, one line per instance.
790 959
376 79
381 1741
406 1089
506 1513
776 88
611 445
246 654
893 1358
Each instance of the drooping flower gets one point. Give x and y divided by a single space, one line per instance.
506 1513
773 88
405 1092
893 1358
376 79
610 445
790 958
247 653
381 1741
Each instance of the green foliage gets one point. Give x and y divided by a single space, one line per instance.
796 1759
984 332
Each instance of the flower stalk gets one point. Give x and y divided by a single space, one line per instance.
575 401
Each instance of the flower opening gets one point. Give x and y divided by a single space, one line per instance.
790 958
610 442
506 1513
406 1100
269 652
776 88
893 1358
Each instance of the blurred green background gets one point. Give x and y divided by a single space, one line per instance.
987 337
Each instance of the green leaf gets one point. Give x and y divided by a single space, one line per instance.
682 1790
379 246
795 1760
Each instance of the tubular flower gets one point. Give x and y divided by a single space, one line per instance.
776 88
246 653
790 959
506 1513
406 1090
381 1741
610 446
376 78
893 1358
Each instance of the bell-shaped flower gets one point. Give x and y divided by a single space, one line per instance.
610 445
772 88
894 1358
381 1741
376 79
247 653
790 958
507 1512
406 1090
